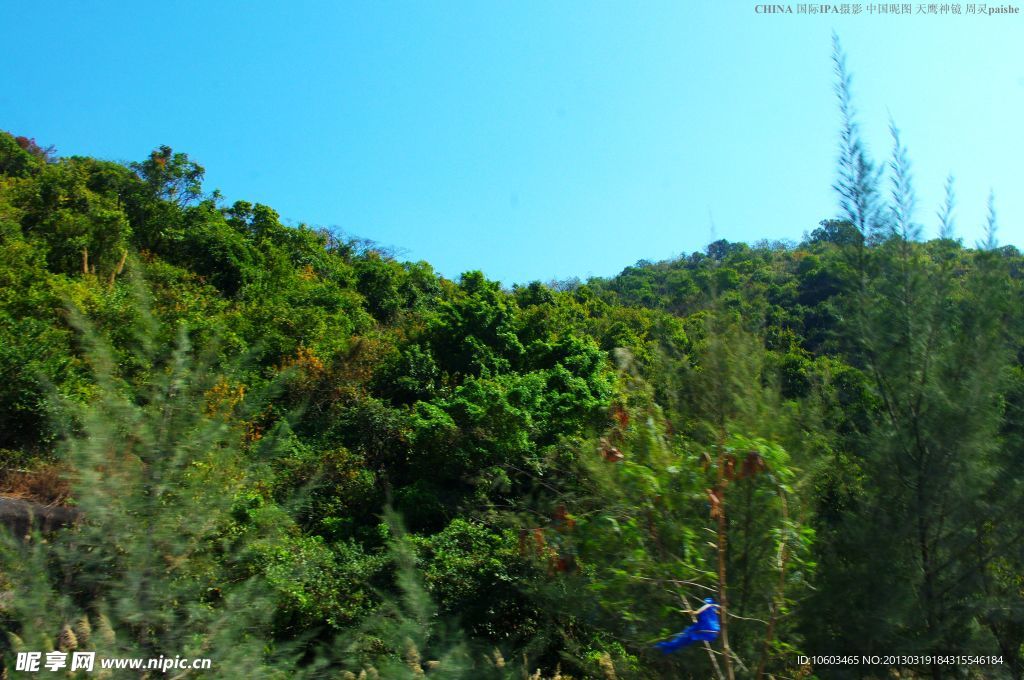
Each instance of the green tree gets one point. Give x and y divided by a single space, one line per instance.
171 176
153 567
926 329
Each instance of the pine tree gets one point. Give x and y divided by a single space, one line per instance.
154 566
926 328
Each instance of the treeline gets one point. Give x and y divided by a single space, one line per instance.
297 455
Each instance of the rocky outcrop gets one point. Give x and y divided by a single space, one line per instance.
21 516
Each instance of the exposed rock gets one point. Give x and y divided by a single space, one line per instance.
21 516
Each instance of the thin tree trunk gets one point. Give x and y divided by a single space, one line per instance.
748 502
929 589
707 645
723 595
117 270
779 594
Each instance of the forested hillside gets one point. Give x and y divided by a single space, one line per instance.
297 455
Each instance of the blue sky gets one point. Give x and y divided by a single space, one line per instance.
532 140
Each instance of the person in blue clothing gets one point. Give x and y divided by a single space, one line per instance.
706 629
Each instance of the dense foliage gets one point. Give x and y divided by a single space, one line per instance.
295 454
